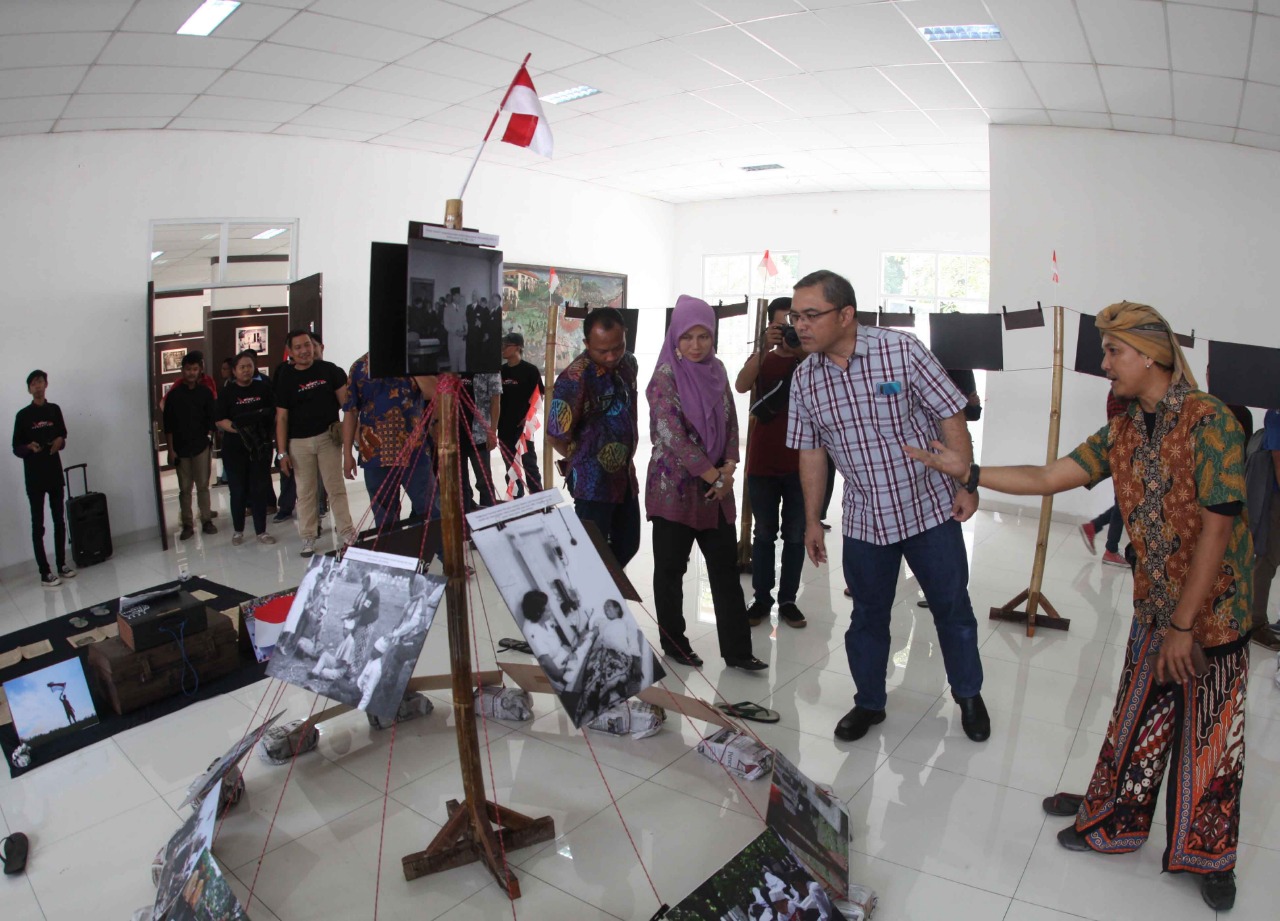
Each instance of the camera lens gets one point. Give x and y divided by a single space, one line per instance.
791 337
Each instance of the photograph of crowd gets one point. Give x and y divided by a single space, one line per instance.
206 895
50 703
454 315
571 612
763 882
356 628
182 853
813 822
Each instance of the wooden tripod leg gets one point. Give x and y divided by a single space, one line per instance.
1051 619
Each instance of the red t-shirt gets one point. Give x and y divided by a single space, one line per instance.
768 454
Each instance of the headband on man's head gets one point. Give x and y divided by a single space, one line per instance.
1144 329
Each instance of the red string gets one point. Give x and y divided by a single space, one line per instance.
280 686
618 810
382 831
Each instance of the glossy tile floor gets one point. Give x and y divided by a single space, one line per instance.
942 827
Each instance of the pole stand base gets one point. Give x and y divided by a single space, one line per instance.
1051 619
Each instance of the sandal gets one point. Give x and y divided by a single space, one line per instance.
514 645
1063 804
13 853
746 710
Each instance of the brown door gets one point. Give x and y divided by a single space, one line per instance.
304 304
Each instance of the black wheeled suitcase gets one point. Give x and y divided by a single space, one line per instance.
87 522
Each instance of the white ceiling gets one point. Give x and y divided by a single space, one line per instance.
843 93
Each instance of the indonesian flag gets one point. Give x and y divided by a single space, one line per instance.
767 265
1055 266
528 126
515 473
553 282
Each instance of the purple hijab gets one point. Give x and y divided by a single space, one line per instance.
701 384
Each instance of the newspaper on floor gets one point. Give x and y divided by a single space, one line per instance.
631 717
738 752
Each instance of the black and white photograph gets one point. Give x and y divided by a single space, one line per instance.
569 609
813 823
763 882
182 853
171 360
206 782
53 702
206 895
355 629
454 314
251 337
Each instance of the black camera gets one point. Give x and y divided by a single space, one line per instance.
790 336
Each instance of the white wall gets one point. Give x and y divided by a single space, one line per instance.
1189 227
74 255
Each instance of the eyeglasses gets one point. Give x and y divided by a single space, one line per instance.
809 315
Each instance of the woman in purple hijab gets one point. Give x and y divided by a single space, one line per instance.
689 487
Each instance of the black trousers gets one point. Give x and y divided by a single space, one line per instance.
529 460
672 543
36 495
249 482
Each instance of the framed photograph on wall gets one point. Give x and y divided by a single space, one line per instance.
171 360
165 388
251 337
526 295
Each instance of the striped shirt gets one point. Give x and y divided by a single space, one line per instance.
858 417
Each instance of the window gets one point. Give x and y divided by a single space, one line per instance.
731 277
934 283
213 253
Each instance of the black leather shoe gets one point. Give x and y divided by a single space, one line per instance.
749 664
683 656
758 613
854 724
1063 804
1219 890
1072 840
973 717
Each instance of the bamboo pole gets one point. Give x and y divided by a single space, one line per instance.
744 528
549 380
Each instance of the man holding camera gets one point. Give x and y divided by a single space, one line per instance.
773 470
39 435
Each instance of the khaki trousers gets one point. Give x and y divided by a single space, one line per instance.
194 471
315 459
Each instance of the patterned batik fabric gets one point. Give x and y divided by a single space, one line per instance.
595 410
1199 727
389 407
1193 458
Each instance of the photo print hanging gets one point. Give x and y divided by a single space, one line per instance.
251 337
813 822
453 321
355 629
51 703
569 609
183 853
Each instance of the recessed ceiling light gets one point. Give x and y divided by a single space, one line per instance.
569 95
987 33
760 166
158 252
208 17
268 234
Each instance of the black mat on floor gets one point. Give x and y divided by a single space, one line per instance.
58 630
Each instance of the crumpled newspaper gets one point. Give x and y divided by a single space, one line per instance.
276 748
634 717
412 706
504 703
860 904
739 753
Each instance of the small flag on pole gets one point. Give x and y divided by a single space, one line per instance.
515 472
767 266
1055 266
527 126
553 282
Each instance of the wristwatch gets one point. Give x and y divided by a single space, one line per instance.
718 484
971 485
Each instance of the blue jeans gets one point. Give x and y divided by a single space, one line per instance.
419 486
937 558
1115 526
767 494
618 522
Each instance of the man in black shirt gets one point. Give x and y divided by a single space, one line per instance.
520 381
188 420
308 394
39 435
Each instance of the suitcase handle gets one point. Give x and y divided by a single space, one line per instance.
84 473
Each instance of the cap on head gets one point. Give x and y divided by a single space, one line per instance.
515 339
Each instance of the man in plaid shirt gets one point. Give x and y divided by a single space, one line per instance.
861 395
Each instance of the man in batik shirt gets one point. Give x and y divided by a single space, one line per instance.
1177 458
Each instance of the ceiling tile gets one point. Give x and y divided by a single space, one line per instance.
1019 117
804 39
239 109
63 16
802 134
615 79
666 60
1080 119
465 64
930 86
342 36
923 13
390 140
288 4
669 116
1258 139
173 50
122 78
1264 61
746 102
1221 4
431 18
1067 87
40 81
855 130
1269 7
367 100
336 134
1209 100
512 42
439 135
581 25
749 10
974 52
1261 110
410 82
51 50
272 87
951 119
32 108
217 124
1126 32
878 35
666 17
12 129
135 123
805 95
866 89
1137 91
896 159
908 126
1042 30
1209 41
849 161
1203 132
327 117
471 120
126 105
980 179
287 61
249 20
736 52
1142 124
487 6
998 85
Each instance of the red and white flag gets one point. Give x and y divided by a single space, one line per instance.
1055 266
767 265
515 472
527 126
553 282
